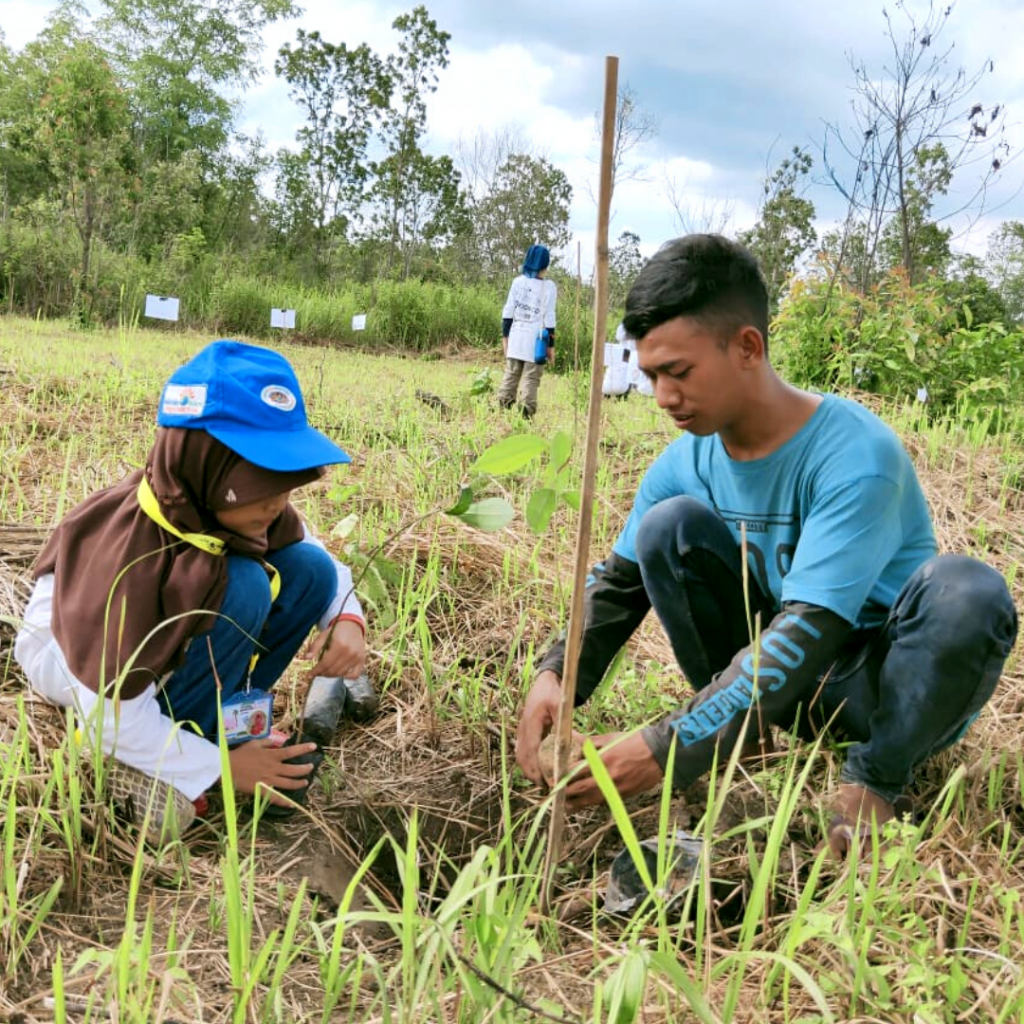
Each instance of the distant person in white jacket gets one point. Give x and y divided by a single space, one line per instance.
621 372
638 380
528 332
616 381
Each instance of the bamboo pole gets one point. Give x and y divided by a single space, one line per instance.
576 319
574 638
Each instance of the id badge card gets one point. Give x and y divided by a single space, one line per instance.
248 715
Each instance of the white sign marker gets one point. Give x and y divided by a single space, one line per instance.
160 307
359 322
284 318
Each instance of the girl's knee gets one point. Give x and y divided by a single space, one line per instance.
247 600
309 569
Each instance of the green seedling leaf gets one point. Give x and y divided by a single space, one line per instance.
540 508
572 499
482 383
489 515
561 449
510 454
341 493
344 528
462 505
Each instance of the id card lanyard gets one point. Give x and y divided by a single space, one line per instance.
251 710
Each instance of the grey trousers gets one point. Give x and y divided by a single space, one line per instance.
522 380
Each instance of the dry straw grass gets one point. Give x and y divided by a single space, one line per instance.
451 771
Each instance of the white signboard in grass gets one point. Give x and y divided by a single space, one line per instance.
284 318
359 322
161 307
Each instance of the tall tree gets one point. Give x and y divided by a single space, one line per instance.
694 212
913 240
83 130
917 100
343 92
182 57
1005 266
785 226
479 157
405 170
624 263
528 202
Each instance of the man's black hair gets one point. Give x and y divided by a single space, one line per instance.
707 277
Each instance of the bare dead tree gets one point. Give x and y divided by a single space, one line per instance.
697 214
633 127
919 102
479 157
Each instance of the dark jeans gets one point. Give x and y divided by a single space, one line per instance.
901 692
308 585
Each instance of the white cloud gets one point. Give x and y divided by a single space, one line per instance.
22 20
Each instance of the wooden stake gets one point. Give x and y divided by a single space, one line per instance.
582 559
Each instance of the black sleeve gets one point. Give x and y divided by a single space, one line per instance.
614 605
506 326
794 652
551 336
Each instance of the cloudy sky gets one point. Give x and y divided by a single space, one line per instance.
732 84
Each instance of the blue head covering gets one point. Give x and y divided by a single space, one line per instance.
537 258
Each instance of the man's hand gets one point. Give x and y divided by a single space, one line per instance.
630 764
340 650
261 763
540 713
551 355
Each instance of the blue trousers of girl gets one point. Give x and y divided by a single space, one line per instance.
309 583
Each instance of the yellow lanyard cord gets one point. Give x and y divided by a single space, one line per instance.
203 541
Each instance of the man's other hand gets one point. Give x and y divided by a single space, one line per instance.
630 764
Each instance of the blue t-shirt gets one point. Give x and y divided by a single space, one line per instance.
835 517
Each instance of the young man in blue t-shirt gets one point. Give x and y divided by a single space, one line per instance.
862 625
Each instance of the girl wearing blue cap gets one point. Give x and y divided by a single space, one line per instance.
193 575
528 332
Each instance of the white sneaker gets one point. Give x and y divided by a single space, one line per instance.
170 811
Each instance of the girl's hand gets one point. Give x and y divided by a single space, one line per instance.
340 650
261 763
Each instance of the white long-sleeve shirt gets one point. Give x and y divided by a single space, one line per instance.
135 730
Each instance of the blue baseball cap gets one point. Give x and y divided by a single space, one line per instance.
248 398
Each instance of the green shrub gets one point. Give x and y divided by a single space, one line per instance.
893 341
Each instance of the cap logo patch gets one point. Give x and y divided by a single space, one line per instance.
278 397
184 400
231 497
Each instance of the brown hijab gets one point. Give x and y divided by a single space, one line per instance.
108 554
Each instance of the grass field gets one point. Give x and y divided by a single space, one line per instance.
410 891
